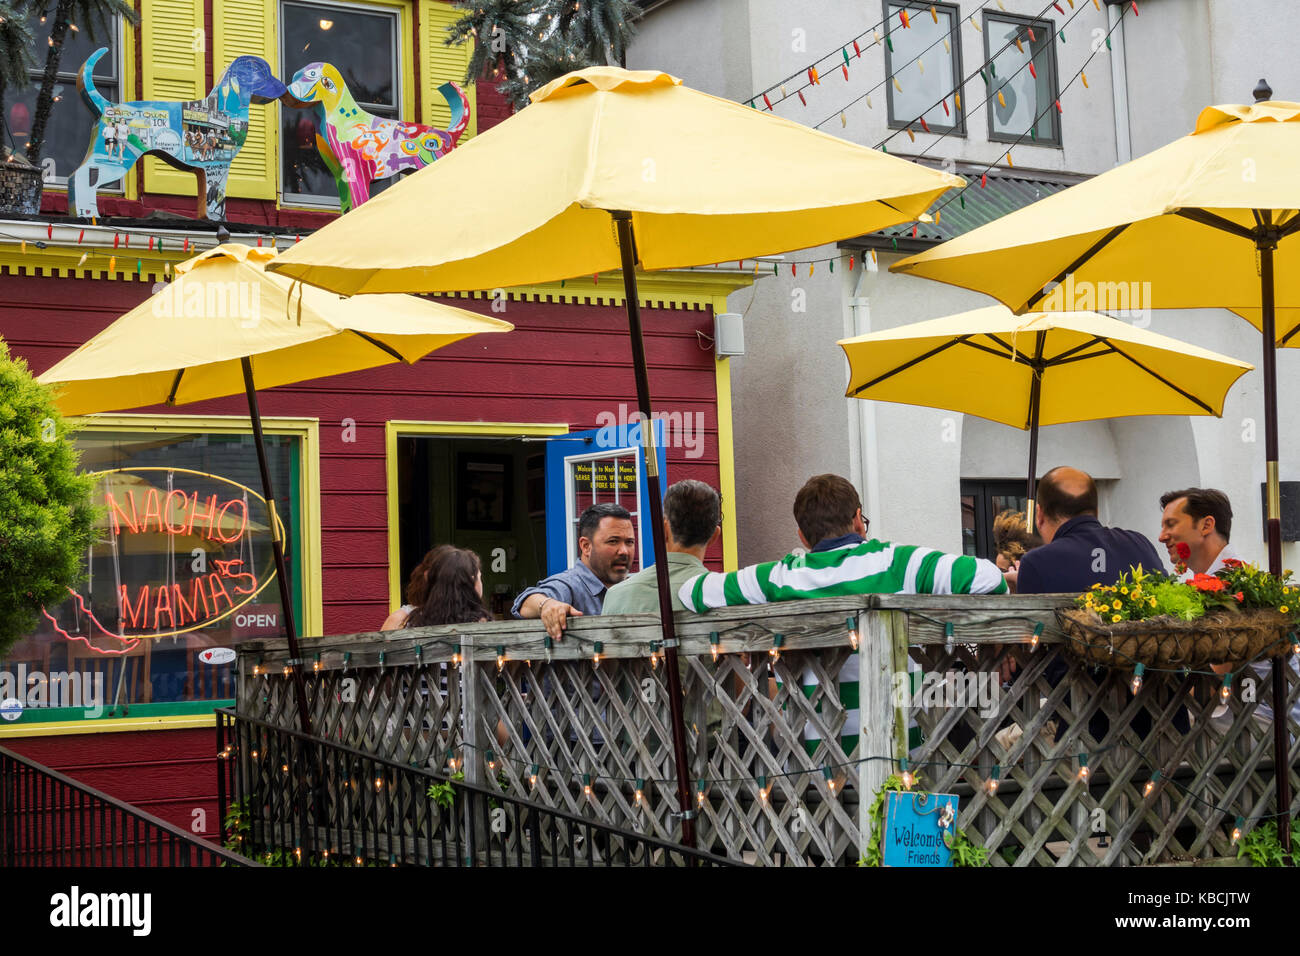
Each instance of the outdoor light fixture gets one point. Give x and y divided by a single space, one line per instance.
327 24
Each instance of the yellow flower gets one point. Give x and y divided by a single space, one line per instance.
1284 609
1123 590
1115 605
1115 619
1153 602
1097 585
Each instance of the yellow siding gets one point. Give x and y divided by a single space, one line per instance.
173 41
439 63
247 28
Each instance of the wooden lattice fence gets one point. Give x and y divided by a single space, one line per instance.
785 775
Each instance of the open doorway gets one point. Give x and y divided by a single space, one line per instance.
484 494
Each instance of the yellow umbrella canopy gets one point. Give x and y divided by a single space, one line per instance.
983 363
1152 220
705 179
186 343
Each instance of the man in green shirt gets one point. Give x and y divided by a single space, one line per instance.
692 522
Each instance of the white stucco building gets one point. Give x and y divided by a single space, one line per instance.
913 465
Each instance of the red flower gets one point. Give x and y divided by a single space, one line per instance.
1206 582
1240 596
1232 563
1184 550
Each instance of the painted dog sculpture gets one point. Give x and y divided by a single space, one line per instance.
360 148
201 135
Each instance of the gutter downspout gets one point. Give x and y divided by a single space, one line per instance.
864 451
1119 84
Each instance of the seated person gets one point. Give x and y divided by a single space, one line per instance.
692 522
1011 539
841 560
415 590
1201 518
605 547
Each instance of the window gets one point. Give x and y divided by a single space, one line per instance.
1028 95
361 43
182 571
926 61
981 502
67 132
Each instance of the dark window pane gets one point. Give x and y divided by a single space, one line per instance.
925 71
77 46
69 130
360 45
1024 96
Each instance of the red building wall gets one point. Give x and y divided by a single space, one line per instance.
563 363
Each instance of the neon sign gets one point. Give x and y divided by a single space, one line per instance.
178 555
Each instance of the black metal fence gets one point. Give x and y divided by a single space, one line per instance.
48 819
301 800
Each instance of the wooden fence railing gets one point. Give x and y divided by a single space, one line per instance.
781 773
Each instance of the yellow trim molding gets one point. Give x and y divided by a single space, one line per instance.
395 428
112 725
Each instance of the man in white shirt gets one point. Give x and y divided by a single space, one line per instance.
1201 518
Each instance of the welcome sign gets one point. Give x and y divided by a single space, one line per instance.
918 827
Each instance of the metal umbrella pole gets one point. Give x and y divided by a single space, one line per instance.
277 547
627 248
1035 400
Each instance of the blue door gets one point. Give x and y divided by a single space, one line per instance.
603 464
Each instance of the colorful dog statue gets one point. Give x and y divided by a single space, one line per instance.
360 148
201 135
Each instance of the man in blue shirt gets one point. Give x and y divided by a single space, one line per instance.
606 542
1077 551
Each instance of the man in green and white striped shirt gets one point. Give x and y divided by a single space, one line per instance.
841 561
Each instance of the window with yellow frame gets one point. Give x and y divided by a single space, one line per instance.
180 574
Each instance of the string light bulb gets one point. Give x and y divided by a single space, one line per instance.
699 793
654 655
598 652
992 785
1236 829
451 760
1083 767
1034 638
455 657
532 777
379 783
1136 683
906 775
830 781
501 658
762 788
715 645
778 641
491 761
640 788
1151 784
1226 690
1295 642
852 625
586 784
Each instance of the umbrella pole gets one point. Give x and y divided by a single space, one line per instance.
1035 397
277 547
627 250
1273 514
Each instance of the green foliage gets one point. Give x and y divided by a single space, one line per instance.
965 853
1010 854
444 794
524 44
16 46
1263 846
46 515
1250 588
1138 595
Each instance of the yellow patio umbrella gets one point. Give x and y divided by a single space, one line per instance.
611 169
1042 368
225 326
1208 221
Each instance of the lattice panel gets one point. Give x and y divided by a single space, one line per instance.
1209 769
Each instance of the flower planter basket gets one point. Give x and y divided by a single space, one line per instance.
1218 637
20 187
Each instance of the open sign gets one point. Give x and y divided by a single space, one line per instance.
257 620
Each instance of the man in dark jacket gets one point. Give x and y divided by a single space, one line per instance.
1077 551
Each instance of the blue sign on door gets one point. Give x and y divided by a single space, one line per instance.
918 828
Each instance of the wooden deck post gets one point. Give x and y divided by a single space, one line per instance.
882 655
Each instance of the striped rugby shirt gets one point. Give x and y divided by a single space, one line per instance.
857 567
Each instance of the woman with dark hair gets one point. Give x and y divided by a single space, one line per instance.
454 593
416 588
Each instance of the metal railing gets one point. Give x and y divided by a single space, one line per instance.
302 800
49 819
